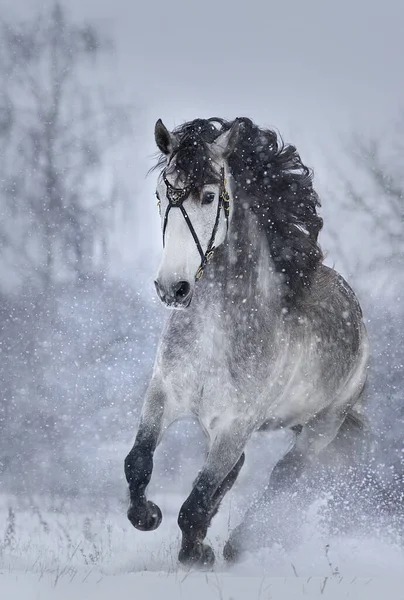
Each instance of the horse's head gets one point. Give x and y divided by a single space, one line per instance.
196 204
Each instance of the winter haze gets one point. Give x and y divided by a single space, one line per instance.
80 243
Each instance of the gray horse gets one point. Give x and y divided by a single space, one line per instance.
269 338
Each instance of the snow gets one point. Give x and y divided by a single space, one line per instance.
81 551
196 586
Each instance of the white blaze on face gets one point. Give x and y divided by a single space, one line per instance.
183 254
181 258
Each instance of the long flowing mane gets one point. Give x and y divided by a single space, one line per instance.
271 180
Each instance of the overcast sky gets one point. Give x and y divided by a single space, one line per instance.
310 64
314 69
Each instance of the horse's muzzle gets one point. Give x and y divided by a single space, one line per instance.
177 295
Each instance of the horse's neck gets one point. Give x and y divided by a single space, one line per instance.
244 267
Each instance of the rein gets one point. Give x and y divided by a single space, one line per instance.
176 198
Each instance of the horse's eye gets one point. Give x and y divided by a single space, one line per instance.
208 197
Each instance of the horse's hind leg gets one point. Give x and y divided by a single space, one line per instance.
142 513
285 473
309 442
218 475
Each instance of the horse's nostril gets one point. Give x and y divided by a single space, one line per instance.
181 290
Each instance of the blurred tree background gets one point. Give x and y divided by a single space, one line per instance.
76 342
369 245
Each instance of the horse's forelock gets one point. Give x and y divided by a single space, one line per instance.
191 160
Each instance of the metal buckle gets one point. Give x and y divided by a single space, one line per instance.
199 273
208 257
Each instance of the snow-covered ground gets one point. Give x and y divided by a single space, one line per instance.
161 586
72 551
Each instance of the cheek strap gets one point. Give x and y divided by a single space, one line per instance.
176 198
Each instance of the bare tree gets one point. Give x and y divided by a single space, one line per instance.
56 129
373 198
373 195
60 342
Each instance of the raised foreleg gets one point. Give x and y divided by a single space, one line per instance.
142 513
223 464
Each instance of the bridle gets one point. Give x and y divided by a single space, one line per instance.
176 198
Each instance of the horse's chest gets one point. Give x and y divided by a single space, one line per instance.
199 377
230 368
211 359
220 369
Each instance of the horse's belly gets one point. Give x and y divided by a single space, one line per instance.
296 405
309 390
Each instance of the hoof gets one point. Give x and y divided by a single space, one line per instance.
146 518
231 552
200 555
233 548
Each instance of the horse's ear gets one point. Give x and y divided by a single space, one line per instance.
164 139
227 141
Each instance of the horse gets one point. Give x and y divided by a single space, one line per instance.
269 338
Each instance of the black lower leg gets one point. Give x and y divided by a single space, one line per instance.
226 486
143 514
197 513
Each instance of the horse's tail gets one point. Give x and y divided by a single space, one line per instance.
355 427
353 442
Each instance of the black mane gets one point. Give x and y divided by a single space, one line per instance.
271 181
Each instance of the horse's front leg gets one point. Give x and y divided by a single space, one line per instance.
142 513
223 463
